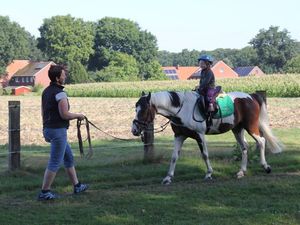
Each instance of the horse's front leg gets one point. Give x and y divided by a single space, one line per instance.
178 141
203 148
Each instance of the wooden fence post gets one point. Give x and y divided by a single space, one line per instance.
263 94
149 143
14 143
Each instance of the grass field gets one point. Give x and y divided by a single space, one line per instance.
123 190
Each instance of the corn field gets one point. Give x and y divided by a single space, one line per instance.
287 85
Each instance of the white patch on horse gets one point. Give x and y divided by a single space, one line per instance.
236 94
138 109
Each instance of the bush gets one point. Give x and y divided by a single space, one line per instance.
7 91
37 88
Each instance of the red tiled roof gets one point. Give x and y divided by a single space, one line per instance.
12 68
16 65
31 69
183 72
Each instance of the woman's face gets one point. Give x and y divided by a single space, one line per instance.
61 80
202 64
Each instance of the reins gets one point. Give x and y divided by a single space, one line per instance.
87 125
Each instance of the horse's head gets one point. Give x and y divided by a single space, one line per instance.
145 113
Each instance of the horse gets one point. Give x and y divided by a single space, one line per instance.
189 121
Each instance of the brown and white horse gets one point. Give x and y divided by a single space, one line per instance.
250 114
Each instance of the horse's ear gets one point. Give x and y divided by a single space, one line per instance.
149 97
143 93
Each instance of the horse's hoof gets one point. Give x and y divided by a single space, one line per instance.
240 174
268 169
166 181
208 177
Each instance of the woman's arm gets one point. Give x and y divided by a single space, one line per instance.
63 108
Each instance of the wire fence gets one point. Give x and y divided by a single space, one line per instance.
114 116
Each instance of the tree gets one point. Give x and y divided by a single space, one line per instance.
153 71
76 73
186 58
66 39
274 48
15 43
121 67
245 57
293 65
122 35
166 58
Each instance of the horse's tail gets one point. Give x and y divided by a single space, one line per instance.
264 126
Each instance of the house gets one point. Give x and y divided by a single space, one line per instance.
179 72
220 70
248 70
32 74
11 69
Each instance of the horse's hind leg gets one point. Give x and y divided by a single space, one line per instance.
203 148
239 134
178 141
261 143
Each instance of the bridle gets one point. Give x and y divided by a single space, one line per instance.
143 125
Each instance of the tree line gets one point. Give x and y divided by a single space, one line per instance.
274 51
111 49
116 49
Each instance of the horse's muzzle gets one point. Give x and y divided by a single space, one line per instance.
135 130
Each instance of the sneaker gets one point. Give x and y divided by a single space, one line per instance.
78 188
47 196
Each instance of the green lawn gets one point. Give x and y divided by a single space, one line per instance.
123 190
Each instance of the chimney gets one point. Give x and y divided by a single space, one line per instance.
177 67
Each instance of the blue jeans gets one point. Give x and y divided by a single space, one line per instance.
60 149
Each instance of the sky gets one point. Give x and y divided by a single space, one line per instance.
177 24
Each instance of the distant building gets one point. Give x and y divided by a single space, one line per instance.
32 74
20 90
11 69
248 70
179 72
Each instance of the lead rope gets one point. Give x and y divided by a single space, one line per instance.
90 152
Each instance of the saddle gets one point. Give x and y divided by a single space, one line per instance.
222 107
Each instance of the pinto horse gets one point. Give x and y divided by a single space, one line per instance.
187 120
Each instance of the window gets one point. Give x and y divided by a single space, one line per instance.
221 70
16 80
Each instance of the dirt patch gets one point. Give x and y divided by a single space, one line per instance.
115 115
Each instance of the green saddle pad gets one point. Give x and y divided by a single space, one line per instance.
226 107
